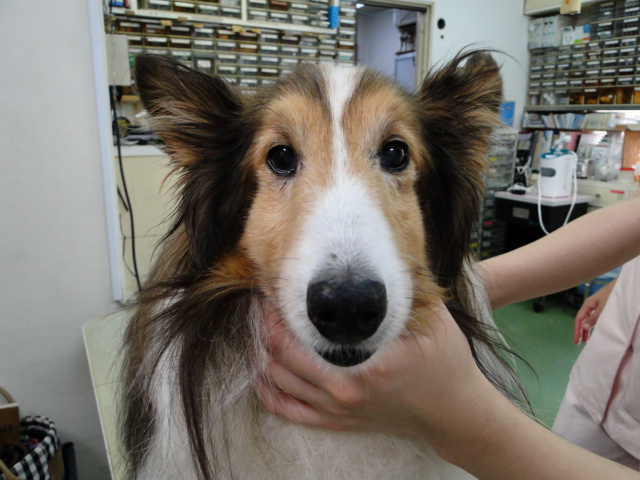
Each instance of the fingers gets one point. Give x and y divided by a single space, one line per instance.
284 405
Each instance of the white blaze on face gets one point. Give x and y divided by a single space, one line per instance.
345 234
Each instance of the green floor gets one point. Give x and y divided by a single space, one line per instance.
545 341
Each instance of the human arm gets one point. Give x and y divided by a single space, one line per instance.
426 385
578 252
588 315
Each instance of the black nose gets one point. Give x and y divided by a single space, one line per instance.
347 311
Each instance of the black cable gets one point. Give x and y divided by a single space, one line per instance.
124 187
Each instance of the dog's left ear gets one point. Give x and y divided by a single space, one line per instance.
459 107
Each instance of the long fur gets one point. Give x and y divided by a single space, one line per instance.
194 344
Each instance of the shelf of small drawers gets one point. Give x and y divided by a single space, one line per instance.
244 57
297 12
604 72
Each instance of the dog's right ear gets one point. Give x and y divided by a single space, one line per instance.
202 122
189 110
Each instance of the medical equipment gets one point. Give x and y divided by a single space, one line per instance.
557 176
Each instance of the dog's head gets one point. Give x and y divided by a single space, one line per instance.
351 199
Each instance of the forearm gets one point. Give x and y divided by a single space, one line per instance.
504 444
578 252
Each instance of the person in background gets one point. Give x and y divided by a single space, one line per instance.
428 385
601 407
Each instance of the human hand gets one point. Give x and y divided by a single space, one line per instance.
589 313
421 384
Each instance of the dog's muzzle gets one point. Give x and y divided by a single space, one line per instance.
346 312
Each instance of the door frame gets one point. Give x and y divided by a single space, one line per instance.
423 29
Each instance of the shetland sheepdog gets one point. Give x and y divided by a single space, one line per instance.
346 201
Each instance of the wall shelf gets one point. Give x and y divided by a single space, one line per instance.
580 108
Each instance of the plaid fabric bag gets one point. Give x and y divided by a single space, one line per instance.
35 465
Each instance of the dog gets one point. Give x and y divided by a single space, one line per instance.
346 201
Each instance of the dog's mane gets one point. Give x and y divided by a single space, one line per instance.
199 304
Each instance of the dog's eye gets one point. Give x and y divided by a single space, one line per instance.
282 160
394 156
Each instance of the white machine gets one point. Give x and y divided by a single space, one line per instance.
557 173
558 176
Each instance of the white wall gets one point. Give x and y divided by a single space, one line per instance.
54 273
500 25
378 41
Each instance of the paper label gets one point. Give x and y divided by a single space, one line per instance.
10 423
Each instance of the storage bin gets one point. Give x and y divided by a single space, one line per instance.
183 56
203 32
159 4
308 41
576 97
225 46
157 42
299 8
205 64
230 12
269 72
278 5
135 40
269 37
154 29
626 71
269 61
289 39
249 71
298 19
288 50
180 43
348 45
184 7
269 49
227 70
288 63
230 3
248 47
180 30
227 58
279 17
624 95
209 10
258 4
224 34
202 44
128 26
627 61
590 96
258 15
346 56
249 83
347 12
246 36
248 59
347 34
308 52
